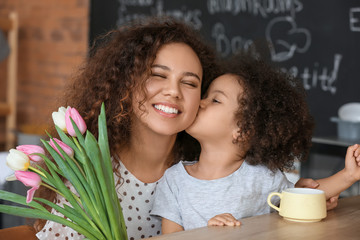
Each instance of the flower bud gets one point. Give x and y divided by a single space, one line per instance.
29 179
59 118
79 121
30 149
17 160
68 150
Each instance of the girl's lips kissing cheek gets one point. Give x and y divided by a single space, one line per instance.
166 110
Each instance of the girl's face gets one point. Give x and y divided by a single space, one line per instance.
173 91
215 121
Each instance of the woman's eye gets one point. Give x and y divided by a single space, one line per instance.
158 75
191 84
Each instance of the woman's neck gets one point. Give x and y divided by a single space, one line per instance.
215 162
148 155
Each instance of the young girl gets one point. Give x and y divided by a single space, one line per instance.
251 125
150 76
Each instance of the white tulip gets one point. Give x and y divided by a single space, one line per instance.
59 118
17 160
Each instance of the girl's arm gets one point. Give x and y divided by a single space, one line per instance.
310 183
343 179
169 226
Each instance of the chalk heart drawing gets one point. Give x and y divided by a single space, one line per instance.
285 38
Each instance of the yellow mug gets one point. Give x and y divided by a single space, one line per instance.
300 204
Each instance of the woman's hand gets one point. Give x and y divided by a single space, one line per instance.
331 203
225 219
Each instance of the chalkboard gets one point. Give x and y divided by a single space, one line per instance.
317 41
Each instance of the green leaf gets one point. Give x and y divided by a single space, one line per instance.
93 152
79 136
16 198
70 143
107 166
69 213
49 164
34 213
88 205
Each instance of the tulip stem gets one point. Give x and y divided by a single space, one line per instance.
77 143
76 162
37 171
55 190
80 168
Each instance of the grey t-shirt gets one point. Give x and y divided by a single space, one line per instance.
191 202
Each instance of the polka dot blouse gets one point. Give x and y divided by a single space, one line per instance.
136 199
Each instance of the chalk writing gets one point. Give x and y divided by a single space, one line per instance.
225 45
289 38
319 76
354 18
156 7
139 3
255 7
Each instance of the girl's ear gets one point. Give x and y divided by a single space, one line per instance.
241 137
236 135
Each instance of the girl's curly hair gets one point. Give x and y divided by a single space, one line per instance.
118 65
273 115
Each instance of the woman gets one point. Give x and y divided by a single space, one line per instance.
150 77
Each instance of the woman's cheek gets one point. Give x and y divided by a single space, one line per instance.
194 106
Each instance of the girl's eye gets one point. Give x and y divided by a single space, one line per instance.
214 100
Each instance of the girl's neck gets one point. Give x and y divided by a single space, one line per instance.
148 155
215 163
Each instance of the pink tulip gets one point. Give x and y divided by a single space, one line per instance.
30 149
29 179
68 150
79 121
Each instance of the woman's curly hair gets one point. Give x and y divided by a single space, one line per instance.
121 63
118 65
273 116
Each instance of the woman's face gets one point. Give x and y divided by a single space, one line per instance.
173 91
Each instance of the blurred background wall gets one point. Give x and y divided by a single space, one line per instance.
53 40
52 43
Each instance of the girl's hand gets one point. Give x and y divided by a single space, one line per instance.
225 219
331 203
306 183
352 162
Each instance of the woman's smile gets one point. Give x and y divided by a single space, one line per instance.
166 109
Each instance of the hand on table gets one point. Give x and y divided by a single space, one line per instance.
225 219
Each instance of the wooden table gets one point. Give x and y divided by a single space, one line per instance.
341 223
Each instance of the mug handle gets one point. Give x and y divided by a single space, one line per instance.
269 200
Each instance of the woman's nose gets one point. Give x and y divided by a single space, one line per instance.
172 89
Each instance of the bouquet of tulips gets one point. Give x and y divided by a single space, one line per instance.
85 163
